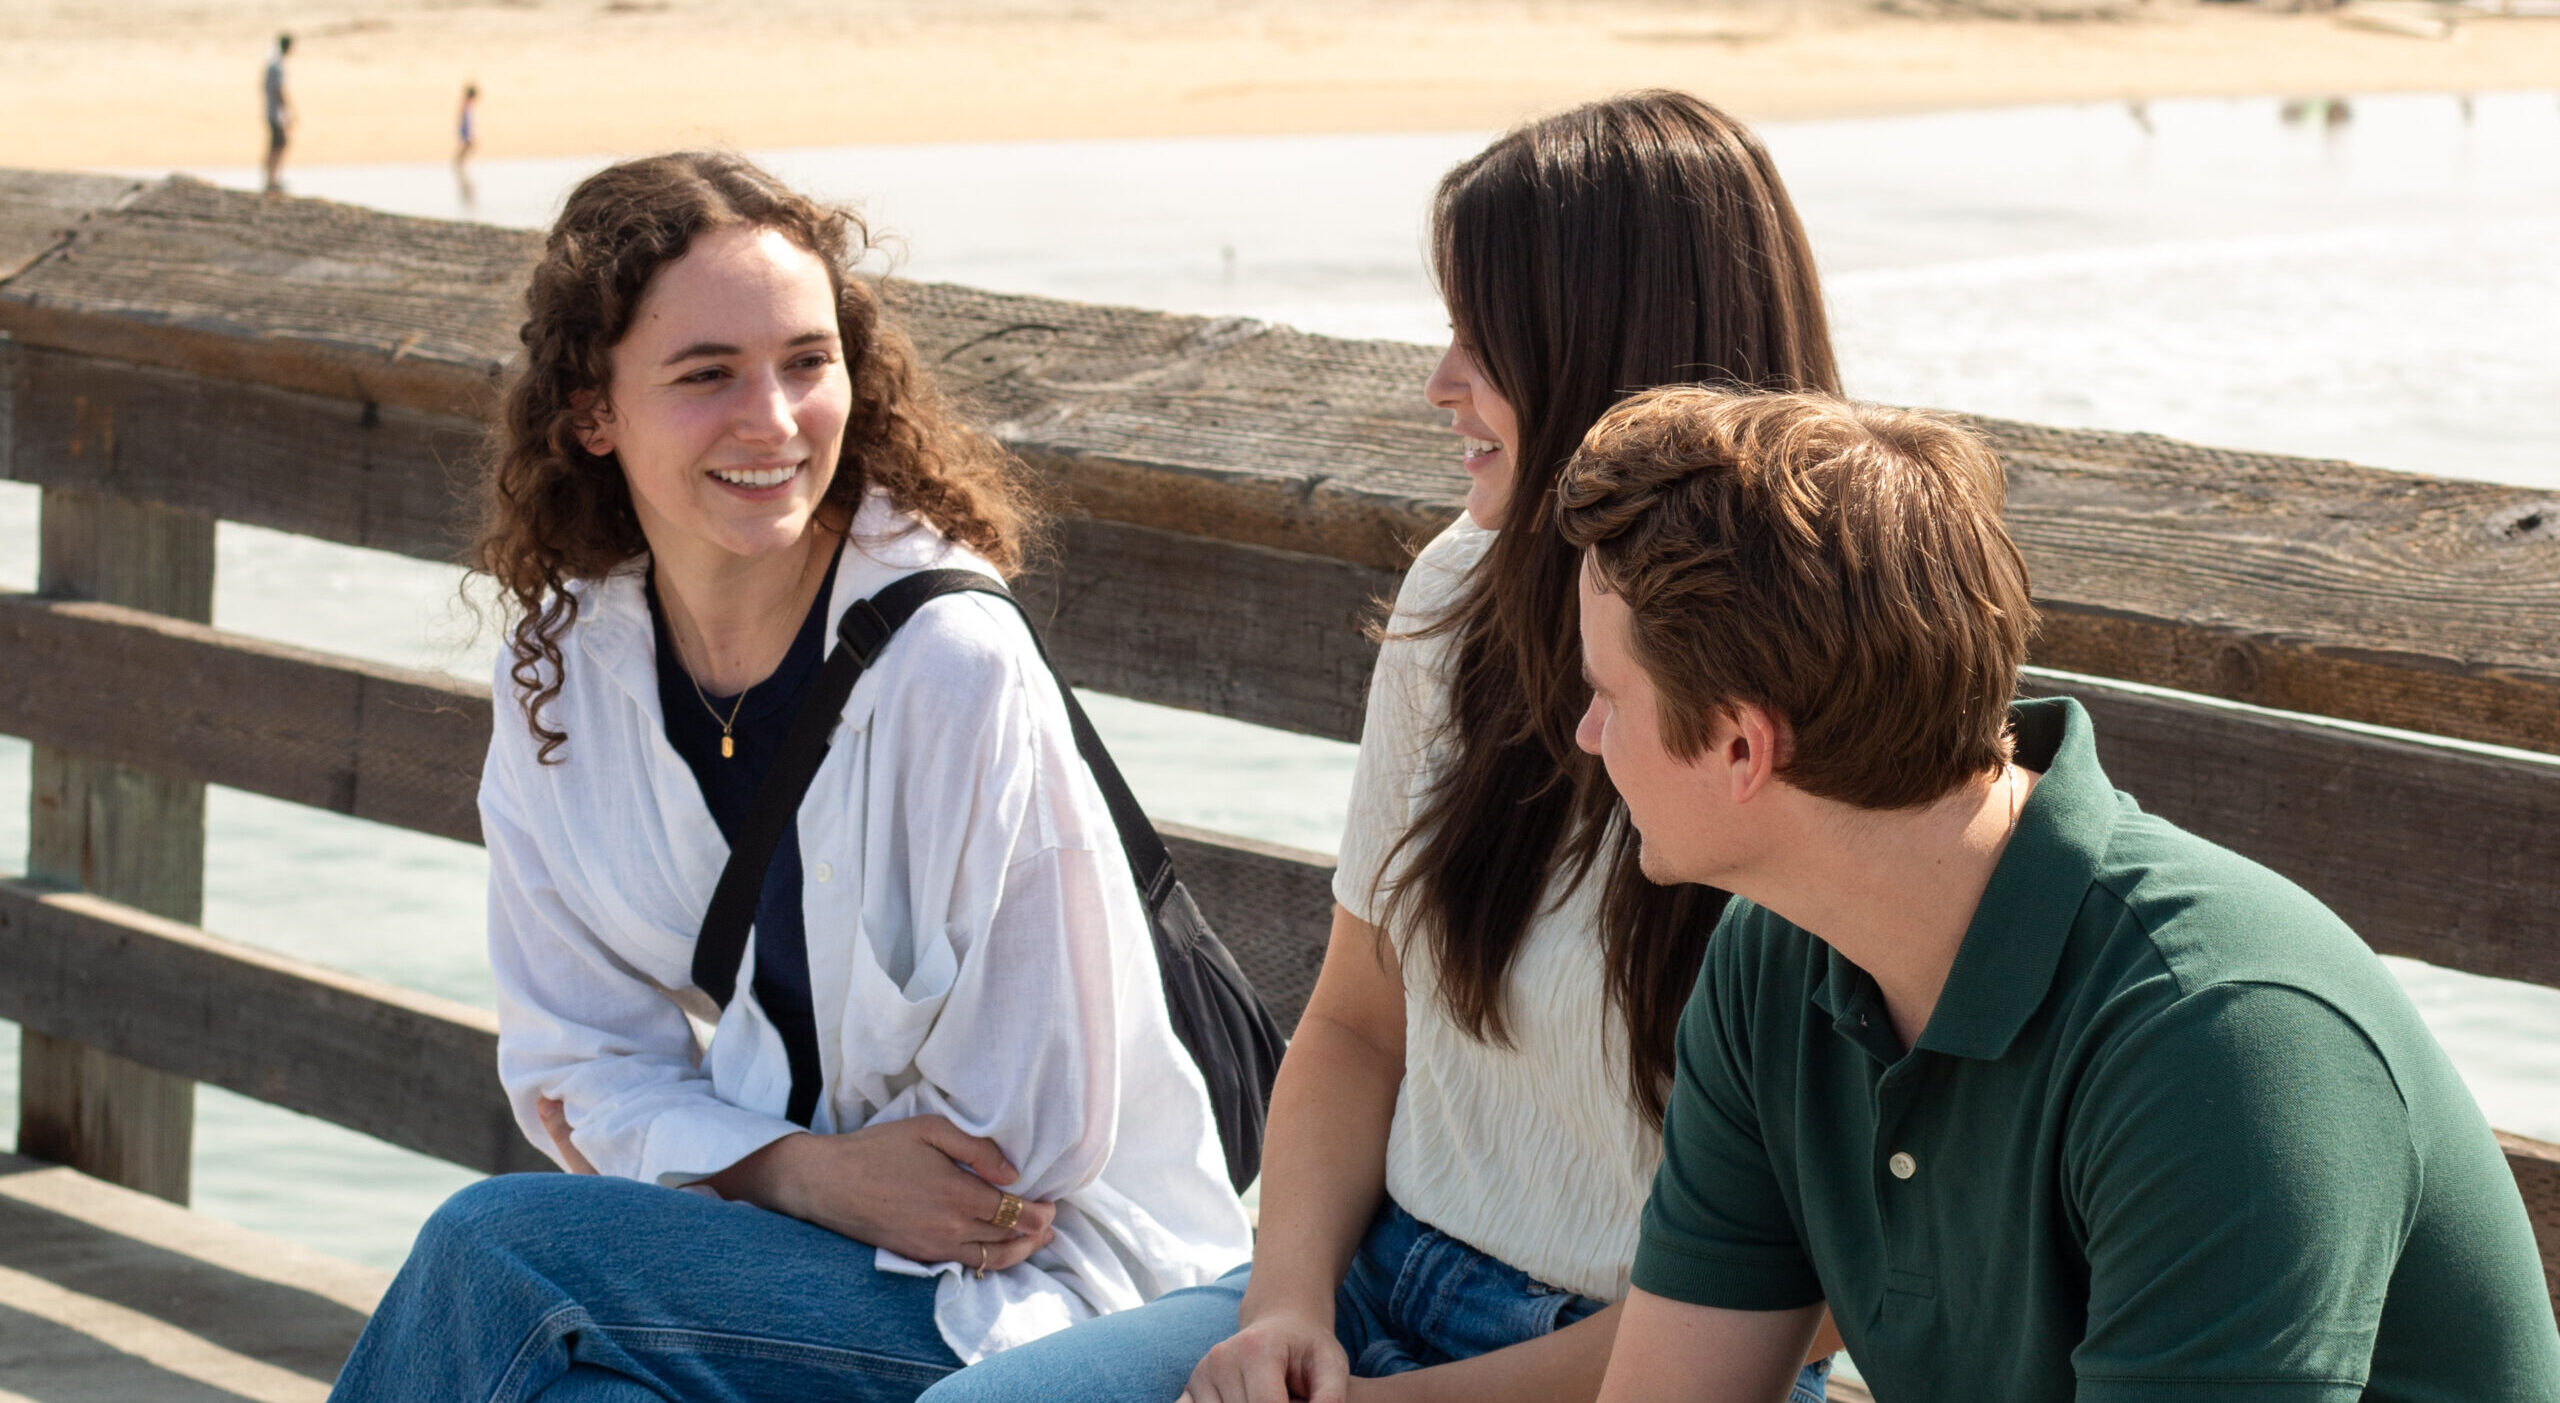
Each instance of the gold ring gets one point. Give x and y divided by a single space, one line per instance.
1008 1210
982 1261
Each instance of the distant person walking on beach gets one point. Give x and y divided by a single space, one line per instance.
279 114
466 126
465 129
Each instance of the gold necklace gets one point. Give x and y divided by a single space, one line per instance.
728 747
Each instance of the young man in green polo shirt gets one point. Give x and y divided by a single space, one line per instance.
2044 1097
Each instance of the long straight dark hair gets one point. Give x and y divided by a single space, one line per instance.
1641 241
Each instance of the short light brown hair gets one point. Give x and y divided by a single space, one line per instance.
1842 565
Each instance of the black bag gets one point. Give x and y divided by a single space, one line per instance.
1216 1014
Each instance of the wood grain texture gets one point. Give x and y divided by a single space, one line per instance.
120 1120
130 834
2420 603
317 465
1267 636
410 1068
298 294
2437 852
2313 586
404 748
375 742
148 1279
39 211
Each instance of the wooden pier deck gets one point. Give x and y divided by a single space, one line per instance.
172 355
112 1296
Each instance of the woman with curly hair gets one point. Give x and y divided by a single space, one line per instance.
944 1112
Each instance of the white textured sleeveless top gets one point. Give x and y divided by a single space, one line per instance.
1531 1154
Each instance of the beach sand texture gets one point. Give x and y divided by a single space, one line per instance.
158 83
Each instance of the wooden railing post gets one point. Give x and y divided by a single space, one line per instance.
126 834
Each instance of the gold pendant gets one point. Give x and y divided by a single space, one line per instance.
727 749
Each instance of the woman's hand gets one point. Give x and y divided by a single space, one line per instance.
1274 1360
555 1123
920 1187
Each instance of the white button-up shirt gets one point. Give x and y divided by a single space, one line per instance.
977 946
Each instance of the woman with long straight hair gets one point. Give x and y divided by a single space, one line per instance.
1468 1120
943 1110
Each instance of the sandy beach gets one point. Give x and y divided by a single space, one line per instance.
143 83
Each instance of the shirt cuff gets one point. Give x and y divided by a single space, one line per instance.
688 1144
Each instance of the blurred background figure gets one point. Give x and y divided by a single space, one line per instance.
466 125
279 114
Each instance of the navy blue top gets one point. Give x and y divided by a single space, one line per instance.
729 789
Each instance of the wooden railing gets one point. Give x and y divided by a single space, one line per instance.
1243 495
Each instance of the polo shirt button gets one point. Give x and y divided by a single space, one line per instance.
1902 1164
824 873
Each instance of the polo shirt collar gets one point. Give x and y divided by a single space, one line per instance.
2006 964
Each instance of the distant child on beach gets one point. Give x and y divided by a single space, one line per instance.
279 113
466 125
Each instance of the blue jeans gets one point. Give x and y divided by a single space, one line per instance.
1414 1297
572 1288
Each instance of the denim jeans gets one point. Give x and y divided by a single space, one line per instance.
1414 1297
572 1288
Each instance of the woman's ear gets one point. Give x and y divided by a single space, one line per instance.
593 424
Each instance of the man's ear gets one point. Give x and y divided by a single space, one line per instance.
1751 743
593 423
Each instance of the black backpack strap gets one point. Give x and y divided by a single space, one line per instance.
1148 857
864 630
1227 1031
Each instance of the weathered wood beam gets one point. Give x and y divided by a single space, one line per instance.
2442 851
111 1294
409 1068
186 699
131 834
338 469
2439 852
2309 586
146 692
39 210
1260 635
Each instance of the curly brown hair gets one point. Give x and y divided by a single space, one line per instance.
553 513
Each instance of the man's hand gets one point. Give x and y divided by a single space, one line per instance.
1274 1360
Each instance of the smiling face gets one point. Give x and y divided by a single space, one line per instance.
1488 429
729 398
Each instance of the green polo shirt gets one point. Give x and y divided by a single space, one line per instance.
2171 1125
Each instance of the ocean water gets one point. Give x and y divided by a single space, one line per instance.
2244 273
